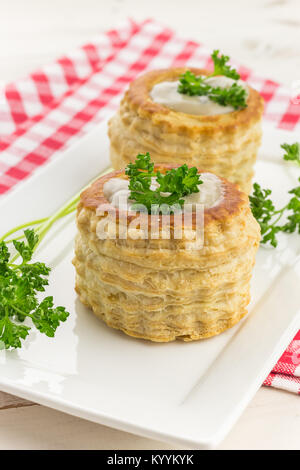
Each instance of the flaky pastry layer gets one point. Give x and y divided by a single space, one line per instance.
225 144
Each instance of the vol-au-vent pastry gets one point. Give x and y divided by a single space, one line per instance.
163 288
215 131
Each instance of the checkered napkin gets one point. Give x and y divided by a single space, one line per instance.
286 373
54 106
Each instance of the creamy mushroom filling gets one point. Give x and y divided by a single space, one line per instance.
166 93
210 193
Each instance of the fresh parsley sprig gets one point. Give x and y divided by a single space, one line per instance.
19 285
269 217
16 280
172 186
221 67
191 85
292 152
235 96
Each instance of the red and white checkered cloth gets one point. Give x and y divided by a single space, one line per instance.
54 106
286 373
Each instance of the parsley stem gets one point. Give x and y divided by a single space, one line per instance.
40 222
280 210
279 217
20 311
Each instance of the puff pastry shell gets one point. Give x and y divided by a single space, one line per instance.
225 144
159 290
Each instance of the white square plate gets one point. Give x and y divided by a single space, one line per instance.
189 394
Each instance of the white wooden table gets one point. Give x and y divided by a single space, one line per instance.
262 34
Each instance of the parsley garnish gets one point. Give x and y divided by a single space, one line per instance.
268 217
19 285
191 85
20 282
221 67
292 152
172 186
235 96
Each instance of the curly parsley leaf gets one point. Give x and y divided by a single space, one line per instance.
292 152
235 96
46 318
19 285
140 172
142 165
268 217
172 186
221 67
293 223
25 249
11 334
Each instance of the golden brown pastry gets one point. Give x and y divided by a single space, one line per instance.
225 144
164 289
